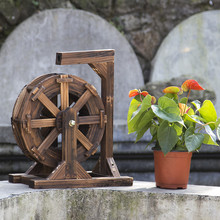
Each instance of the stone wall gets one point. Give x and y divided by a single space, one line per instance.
144 23
140 201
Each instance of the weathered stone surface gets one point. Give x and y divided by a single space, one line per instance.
145 42
130 22
124 6
97 6
192 49
9 10
26 56
158 15
141 201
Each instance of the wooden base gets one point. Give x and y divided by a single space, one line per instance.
43 183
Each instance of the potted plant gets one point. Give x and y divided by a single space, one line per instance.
178 128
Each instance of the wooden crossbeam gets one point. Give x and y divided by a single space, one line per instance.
84 57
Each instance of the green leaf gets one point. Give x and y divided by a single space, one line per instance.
194 118
137 115
167 109
208 140
218 131
165 115
167 137
210 133
132 108
184 100
135 119
146 102
208 112
217 125
179 128
153 130
168 105
180 146
187 120
146 118
193 141
140 133
197 104
172 96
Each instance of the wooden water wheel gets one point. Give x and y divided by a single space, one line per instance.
38 112
59 120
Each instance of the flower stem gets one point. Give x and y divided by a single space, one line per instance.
141 98
188 95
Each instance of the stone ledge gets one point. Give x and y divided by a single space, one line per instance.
141 201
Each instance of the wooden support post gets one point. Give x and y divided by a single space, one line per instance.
70 142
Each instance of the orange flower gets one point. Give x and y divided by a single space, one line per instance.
135 92
173 90
144 93
191 84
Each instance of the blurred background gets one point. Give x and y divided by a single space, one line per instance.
146 27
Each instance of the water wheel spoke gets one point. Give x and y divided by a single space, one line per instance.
82 100
48 104
93 119
43 123
48 140
84 140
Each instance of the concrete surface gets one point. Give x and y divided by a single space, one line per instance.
140 201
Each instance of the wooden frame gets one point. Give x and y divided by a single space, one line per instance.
69 173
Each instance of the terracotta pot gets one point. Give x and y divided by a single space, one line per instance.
172 170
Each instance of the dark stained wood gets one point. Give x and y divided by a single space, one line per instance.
59 172
82 100
81 183
107 88
28 128
38 94
43 123
100 69
64 95
15 178
48 140
112 166
64 90
92 89
102 119
83 139
39 169
93 119
84 57
81 173
84 119
70 141
30 133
